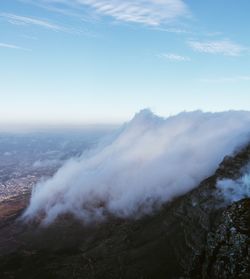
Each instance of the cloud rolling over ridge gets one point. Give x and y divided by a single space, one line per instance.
235 190
149 161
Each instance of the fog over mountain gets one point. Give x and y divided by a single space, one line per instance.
235 190
147 162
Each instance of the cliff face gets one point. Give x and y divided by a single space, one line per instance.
192 237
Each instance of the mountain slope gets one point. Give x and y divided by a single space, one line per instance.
190 237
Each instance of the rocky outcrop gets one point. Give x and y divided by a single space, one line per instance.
192 237
227 251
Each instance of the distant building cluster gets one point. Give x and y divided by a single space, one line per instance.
15 187
27 158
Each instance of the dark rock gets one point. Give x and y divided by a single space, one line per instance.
227 249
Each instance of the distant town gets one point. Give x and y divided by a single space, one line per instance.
25 159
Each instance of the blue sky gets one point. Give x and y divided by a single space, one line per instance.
100 61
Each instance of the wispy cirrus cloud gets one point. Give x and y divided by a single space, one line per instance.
11 46
24 20
148 12
32 21
224 47
173 30
174 57
226 79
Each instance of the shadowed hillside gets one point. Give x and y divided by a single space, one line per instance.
193 236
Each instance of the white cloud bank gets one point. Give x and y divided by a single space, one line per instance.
149 161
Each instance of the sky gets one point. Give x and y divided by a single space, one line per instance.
100 61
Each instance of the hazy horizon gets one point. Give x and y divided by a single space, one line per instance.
55 127
84 126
